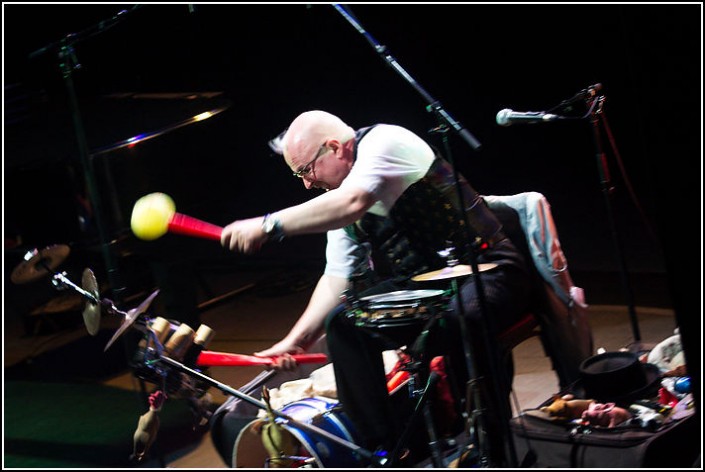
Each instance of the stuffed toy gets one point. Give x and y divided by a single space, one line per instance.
279 442
605 414
147 427
566 407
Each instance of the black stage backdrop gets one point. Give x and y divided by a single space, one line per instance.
268 62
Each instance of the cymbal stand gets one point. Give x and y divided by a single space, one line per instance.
68 62
61 282
448 122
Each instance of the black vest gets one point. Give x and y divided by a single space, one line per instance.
426 219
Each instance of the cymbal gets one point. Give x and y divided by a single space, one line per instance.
131 317
38 264
131 141
451 272
91 310
44 132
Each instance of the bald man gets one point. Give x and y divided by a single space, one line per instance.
390 207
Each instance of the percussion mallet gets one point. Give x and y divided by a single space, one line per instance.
154 215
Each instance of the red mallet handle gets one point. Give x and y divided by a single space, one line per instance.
218 359
189 226
397 380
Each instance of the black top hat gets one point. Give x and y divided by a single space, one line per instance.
619 377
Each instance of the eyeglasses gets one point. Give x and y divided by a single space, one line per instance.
306 169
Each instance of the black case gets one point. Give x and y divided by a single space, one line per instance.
543 443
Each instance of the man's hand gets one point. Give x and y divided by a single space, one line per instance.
281 355
244 236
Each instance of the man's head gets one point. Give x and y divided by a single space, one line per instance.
318 147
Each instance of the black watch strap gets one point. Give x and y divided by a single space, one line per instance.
272 227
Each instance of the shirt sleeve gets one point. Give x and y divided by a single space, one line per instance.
344 255
389 159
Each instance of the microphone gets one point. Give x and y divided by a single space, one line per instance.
506 117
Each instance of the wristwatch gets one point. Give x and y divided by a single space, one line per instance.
272 227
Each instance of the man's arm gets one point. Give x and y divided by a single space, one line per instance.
311 324
331 210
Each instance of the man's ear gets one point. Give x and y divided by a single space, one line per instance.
342 150
334 144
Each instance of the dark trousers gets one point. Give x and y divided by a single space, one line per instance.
359 369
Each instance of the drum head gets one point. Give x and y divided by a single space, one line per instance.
403 308
401 296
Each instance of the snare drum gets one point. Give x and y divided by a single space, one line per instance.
399 309
315 450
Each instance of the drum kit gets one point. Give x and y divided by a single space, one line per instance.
173 356
413 310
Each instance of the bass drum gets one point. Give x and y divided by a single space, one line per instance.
313 450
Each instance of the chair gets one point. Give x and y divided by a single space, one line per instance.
558 313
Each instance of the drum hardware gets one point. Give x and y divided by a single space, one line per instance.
477 440
155 362
447 123
158 361
398 315
40 263
156 357
51 257
418 367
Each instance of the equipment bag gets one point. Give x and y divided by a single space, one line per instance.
543 443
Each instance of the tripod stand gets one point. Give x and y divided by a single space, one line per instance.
597 118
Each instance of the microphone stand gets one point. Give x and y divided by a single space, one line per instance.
446 122
596 105
68 62
434 105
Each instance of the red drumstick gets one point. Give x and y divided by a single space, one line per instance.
189 226
218 359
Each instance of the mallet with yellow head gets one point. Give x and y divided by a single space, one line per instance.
154 215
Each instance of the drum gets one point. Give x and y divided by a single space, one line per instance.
314 450
400 308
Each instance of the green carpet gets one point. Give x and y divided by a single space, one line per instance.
57 414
